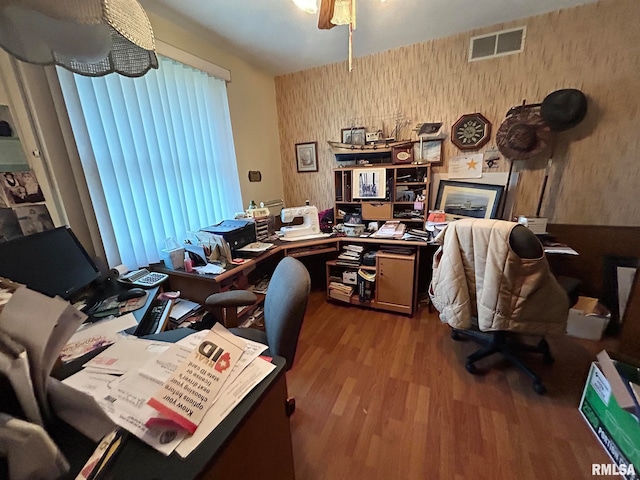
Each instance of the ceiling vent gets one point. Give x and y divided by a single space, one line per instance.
497 44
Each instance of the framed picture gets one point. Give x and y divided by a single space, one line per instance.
465 199
307 156
428 151
353 135
371 182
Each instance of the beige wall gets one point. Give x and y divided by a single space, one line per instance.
595 48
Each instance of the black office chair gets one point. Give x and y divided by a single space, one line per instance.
284 308
498 268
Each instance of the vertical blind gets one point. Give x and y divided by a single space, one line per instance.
158 155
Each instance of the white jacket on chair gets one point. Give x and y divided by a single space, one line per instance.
477 274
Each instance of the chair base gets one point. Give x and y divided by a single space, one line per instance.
504 343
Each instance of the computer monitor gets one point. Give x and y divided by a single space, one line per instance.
52 262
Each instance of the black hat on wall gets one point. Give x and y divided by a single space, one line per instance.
563 109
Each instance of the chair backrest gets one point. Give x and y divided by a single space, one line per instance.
524 243
285 306
496 272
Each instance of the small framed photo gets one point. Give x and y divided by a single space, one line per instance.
307 156
353 135
428 151
466 199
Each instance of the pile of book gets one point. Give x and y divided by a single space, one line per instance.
350 256
391 229
340 291
366 285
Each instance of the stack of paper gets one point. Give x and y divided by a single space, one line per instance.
350 256
419 235
33 330
340 291
172 396
391 229
182 309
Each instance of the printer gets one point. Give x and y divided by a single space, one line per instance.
237 233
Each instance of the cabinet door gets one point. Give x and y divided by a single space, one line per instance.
395 282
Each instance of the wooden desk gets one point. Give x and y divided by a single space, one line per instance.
197 288
253 441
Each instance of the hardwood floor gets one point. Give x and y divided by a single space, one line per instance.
384 396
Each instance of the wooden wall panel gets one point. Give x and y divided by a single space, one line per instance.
593 243
595 48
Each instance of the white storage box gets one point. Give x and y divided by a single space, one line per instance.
587 319
537 225
350 278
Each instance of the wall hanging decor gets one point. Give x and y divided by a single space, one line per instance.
471 131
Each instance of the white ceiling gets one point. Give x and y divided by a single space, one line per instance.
279 38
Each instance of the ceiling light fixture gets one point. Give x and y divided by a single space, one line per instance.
309 6
89 37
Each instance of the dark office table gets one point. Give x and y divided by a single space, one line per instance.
253 441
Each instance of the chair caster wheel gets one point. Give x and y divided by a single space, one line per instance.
455 335
539 388
471 368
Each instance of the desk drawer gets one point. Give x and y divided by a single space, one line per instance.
376 211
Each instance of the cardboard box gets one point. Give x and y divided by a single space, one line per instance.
588 319
617 430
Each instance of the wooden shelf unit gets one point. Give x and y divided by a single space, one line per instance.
403 184
394 286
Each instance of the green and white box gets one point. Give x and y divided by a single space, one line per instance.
617 430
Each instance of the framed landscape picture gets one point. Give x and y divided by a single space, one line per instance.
431 151
307 156
466 199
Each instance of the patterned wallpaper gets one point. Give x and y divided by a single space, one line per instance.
595 48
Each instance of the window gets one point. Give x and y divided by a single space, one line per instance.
157 153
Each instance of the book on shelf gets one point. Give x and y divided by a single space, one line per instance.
348 263
339 295
341 287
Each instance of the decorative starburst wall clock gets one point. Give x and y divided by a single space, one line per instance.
471 131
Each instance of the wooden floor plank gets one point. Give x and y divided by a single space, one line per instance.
385 396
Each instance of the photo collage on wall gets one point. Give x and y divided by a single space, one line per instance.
22 207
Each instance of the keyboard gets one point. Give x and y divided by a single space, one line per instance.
155 318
